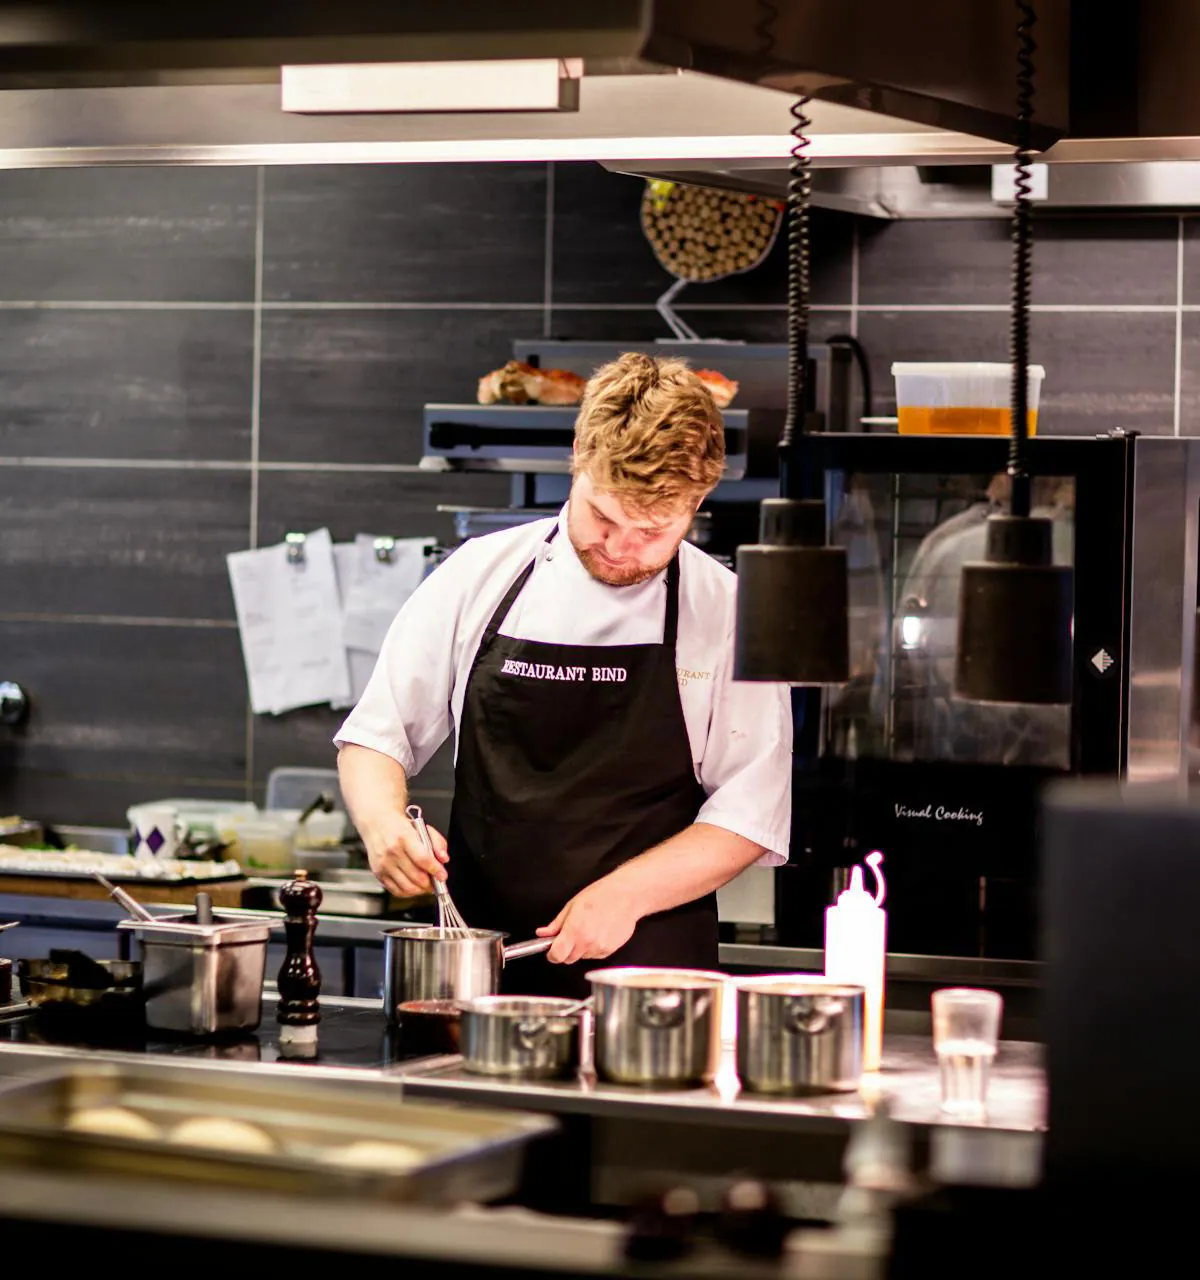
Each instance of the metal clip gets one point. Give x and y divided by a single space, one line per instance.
295 547
384 547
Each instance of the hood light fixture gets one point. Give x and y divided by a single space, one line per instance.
1015 607
792 623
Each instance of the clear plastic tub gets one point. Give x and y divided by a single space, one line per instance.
964 399
263 842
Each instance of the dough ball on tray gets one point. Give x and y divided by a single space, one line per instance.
113 1122
221 1133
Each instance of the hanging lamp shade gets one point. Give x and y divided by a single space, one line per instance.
792 621
1014 618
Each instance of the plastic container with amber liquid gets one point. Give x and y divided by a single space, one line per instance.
965 399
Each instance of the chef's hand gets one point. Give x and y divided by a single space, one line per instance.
399 859
595 923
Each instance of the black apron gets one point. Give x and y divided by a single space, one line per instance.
572 759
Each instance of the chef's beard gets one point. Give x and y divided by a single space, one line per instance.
627 575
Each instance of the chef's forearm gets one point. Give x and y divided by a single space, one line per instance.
373 785
696 862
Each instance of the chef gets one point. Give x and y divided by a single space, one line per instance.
609 775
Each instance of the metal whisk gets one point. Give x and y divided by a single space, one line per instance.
449 919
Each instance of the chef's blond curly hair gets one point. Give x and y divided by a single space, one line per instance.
649 431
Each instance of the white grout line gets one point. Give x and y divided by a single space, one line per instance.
122 620
854 279
734 307
181 464
256 375
117 464
548 261
1178 327
403 306
118 305
255 424
384 468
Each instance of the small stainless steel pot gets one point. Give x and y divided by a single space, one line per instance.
202 979
527 1036
799 1034
657 1026
429 963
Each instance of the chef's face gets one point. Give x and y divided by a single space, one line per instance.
620 547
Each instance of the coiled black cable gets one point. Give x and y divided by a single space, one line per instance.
799 288
1022 268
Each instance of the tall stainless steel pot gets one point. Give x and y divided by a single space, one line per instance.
432 964
657 1026
799 1034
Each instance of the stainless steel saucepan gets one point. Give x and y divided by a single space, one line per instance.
438 964
799 1033
657 1026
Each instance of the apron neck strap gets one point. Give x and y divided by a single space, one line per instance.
670 622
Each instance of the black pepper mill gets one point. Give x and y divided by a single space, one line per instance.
299 1009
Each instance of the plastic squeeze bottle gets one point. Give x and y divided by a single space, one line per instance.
855 948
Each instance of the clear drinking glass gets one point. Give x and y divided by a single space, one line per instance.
966 1026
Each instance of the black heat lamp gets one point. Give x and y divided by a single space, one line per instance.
1015 607
792 623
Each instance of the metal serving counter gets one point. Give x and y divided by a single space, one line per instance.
624 1141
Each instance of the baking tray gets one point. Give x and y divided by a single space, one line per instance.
466 1153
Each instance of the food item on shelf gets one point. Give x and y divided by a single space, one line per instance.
520 383
378 1157
113 1122
20 860
223 1134
509 384
559 386
723 389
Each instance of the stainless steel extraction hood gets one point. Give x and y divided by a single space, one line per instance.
664 80
906 91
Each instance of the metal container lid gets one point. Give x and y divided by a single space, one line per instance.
183 931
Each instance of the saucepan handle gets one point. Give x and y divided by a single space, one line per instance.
519 950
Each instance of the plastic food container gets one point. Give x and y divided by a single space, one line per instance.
265 841
967 399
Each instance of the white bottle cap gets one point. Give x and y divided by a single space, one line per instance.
855 898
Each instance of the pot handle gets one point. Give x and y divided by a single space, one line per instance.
664 1010
519 950
531 1033
809 1016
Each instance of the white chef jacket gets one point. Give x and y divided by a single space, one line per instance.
740 733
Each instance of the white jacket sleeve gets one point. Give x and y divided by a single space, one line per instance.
405 711
747 764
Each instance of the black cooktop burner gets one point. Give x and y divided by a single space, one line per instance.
347 1037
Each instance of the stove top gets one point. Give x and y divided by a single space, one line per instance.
347 1037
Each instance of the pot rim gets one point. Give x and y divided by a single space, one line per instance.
651 978
526 1006
431 933
797 984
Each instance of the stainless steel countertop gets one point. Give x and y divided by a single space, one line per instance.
909 1080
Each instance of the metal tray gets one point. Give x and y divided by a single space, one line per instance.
344 894
469 1153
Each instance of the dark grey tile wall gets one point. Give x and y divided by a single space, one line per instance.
1110 321
192 359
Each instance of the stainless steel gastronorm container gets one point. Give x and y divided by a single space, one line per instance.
202 979
799 1034
524 1036
461 1153
428 963
657 1026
